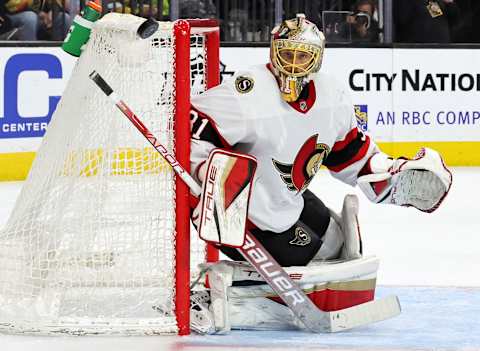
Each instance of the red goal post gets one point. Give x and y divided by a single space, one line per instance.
183 30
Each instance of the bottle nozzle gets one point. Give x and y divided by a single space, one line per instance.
94 5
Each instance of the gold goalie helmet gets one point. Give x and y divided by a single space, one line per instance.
296 53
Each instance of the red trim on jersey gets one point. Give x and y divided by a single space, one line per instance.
304 105
270 67
225 144
297 105
351 136
345 143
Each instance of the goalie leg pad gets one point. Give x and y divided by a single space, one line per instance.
243 303
244 312
332 241
261 313
342 239
351 229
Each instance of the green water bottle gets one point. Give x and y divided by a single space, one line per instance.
79 32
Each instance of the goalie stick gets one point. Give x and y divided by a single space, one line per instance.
304 309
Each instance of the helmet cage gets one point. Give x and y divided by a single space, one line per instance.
294 69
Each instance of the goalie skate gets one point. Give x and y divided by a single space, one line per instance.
201 319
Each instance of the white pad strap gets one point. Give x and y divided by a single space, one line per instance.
220 277
343 233
352 247
332 240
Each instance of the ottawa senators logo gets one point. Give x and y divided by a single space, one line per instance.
298 175
302 238
244 84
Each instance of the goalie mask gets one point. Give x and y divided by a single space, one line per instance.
296 53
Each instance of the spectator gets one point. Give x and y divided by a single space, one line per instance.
197 9
467 28
237 25
475 34
7 31
55 19
336 27
39 19
247 21
425 21
158 9
21 15
364 25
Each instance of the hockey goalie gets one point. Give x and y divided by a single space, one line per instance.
291 118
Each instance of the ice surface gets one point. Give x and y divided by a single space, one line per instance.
431 261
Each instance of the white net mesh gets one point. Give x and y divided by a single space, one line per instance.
89 247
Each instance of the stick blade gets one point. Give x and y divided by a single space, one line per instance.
365 313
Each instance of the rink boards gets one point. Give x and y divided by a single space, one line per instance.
405 98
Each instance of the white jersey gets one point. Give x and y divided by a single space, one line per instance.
289 140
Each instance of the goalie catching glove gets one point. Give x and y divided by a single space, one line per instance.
422 182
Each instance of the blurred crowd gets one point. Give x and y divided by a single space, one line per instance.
348 21
437 21
36 19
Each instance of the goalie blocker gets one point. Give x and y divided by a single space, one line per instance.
225 197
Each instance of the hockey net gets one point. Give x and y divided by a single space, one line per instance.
98 241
